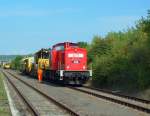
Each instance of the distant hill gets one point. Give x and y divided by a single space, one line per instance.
11 57
7 57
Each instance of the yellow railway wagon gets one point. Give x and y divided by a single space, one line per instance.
7 66
26 64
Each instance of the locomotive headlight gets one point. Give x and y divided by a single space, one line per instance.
83 67
68 67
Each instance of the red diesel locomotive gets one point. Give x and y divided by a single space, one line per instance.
69 63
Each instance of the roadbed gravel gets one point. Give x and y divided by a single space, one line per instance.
145 105
83 104
42 105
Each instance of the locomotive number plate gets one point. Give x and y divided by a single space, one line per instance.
75 61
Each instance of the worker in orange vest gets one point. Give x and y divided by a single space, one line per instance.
40 75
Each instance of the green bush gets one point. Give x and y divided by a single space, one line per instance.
122 59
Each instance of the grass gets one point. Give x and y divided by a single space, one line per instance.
4 106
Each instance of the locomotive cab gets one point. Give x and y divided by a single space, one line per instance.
42 63
42 59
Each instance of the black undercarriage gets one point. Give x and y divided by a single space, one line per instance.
69 77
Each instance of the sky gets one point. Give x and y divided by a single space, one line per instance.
29 25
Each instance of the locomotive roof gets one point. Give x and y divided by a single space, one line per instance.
42 50
58 44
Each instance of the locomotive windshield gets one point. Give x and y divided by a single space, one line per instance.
59 48
45 55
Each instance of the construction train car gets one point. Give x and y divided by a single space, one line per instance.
26 65
65 62
7 66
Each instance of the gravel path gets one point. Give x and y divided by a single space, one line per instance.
82 103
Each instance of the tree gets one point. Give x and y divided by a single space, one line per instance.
122 59
83 44
15 64
99 47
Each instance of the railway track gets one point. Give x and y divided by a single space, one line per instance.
135 103
119 95
29 105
